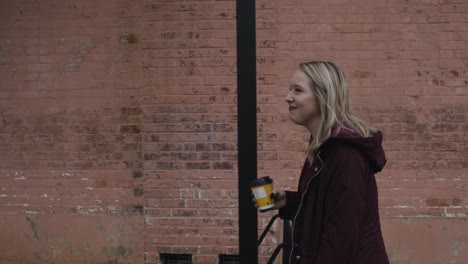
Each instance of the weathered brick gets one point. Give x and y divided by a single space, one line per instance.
197 165
130 129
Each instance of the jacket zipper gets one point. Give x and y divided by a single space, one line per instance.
300 206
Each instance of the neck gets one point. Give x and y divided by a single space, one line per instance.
313 127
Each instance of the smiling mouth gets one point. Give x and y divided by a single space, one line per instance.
292 108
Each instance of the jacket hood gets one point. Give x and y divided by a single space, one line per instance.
371 147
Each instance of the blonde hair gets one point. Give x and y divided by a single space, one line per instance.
329 86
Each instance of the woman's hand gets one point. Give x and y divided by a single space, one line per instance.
280 200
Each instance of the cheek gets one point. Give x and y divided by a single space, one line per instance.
312 105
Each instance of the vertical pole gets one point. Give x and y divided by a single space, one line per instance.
247 128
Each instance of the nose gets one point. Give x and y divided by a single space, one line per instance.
288 98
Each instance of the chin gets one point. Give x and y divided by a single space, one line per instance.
295 121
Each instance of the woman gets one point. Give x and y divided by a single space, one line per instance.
335 210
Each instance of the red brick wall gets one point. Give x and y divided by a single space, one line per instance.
118 133
189 125
70 132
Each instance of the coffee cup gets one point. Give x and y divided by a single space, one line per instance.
262 189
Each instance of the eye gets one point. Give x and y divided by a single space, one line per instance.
297 88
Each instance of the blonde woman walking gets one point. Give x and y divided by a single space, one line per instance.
335 210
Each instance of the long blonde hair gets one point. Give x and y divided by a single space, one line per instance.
329 85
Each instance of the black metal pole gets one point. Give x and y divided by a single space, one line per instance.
247 128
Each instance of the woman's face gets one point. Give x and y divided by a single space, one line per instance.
303 104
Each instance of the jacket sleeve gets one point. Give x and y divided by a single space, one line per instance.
344 207
288 210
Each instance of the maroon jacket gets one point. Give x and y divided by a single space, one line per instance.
335 211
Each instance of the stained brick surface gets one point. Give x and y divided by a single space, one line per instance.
118 122
70 179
